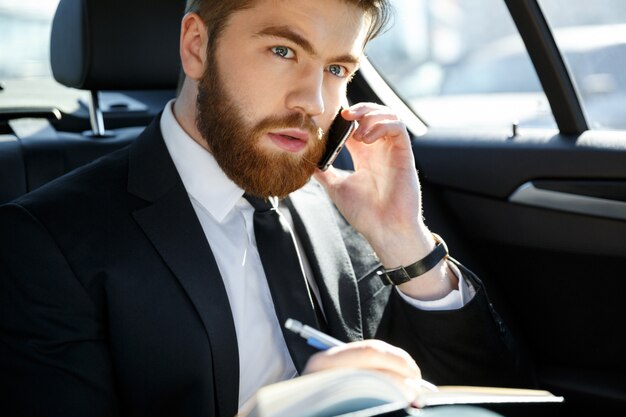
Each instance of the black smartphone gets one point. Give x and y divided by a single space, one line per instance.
338 132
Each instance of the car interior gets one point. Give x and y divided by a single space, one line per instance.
538 214
100 47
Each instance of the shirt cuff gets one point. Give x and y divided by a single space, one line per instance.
453 301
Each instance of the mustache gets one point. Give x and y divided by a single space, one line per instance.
290 121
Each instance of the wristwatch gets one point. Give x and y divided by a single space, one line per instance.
402 274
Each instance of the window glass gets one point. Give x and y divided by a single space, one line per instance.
460 63
25 75
592 39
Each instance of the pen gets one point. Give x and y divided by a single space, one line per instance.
313 337
322 341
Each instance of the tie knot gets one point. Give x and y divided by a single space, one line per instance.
259 204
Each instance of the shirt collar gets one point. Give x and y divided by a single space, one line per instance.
202 177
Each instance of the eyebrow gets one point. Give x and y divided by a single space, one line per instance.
286 32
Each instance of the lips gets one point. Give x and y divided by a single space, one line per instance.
293 133
291 140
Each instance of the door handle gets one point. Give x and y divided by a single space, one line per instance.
531 195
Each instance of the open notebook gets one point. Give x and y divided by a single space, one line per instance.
362 393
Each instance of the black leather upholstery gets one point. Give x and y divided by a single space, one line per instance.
28 163
12 170
116 44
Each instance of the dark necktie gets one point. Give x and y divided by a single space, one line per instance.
285 276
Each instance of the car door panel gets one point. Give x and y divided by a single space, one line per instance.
555 273
496 164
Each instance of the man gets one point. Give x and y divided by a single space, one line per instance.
138 285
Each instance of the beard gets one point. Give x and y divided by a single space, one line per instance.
236 147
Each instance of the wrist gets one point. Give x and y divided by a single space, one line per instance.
404 247
433 285
405 273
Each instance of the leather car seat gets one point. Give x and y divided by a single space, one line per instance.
96 45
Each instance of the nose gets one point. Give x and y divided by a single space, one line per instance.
307 93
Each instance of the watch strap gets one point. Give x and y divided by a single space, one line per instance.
402 274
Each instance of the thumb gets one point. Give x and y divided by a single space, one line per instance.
328 178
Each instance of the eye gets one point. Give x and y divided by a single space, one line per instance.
338 71
283 52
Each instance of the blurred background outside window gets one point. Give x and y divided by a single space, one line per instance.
461 63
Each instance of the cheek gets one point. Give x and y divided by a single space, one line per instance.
333 106
240 77
257 94
245 97
334 98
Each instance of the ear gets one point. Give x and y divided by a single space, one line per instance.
193 44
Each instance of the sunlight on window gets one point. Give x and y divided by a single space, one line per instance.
25 33
593 44
460 64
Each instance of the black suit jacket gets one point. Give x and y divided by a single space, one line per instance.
112 304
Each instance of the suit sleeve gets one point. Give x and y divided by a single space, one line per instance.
466 346
53 354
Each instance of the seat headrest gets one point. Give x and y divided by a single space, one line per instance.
116 44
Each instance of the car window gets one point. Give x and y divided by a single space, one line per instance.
593 43
460 64
25 75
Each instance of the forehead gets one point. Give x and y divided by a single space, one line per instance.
332 26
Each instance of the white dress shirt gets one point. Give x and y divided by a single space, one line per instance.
226 218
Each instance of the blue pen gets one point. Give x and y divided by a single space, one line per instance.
322 341
313 337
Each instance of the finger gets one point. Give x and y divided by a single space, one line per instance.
329 177
369 113
332 180
368 120
367 359
381 129
371 118
358 110
353 144
369 354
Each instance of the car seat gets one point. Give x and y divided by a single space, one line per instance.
125 53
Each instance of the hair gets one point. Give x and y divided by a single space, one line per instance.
215 13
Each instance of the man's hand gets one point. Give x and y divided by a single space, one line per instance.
382 198
373 355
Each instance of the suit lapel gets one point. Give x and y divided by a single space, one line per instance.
171 224
316 225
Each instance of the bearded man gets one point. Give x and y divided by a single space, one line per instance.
139 285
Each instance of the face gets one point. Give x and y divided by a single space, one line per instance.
272 85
